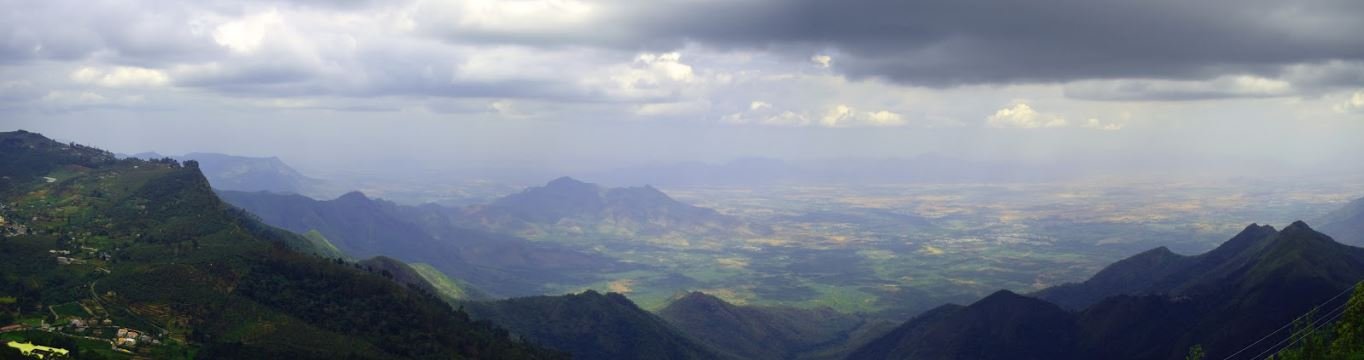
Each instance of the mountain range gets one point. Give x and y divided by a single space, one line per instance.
568 207
361 227
770 332
1346 224
925 168
243 173
91 243
1155 305
591 325
147 245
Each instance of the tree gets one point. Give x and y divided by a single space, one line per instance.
1308 343
1350 328
1195 353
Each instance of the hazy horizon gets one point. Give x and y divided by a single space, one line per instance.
579 86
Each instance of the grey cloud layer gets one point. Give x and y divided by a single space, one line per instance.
1115 50
981 41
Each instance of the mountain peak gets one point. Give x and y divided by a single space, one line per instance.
564 181
1001 296
696 298
353 196
1297 226
1252 234
1158 251
1256 229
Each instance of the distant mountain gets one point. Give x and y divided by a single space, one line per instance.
241 173
758 332
1155 271
566 204
1003 325
145 245
1345 224
591 325
926 168
1154 305
362 227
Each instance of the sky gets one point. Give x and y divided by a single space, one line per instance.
579 84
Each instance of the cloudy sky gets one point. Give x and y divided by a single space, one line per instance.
581 84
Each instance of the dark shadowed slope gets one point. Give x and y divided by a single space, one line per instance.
362 227
1346 224
759 332
171 260
1155 271
591 325
1223 300
1003 325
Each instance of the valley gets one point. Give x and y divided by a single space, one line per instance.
115 258
897 250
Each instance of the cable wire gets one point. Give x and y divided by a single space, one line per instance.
1290 323
1312 328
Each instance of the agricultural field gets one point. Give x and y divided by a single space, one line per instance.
898 250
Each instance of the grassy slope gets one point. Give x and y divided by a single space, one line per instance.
447 287
213 280
324 247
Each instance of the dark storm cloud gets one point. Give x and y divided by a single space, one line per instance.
1313 45
938 43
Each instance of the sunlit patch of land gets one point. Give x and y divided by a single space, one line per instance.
895 249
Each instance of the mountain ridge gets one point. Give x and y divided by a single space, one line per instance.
1223 299
569 205
195 275
362 227
768 332
591 325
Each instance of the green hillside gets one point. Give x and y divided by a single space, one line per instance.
591 325
769 332
362 227
322 246
448 288
145 246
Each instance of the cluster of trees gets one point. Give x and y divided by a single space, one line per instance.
1313 339
359 305
1343 340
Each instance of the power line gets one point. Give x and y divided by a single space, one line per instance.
1313 326
1290 322
1309 333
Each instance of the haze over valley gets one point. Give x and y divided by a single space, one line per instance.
745 179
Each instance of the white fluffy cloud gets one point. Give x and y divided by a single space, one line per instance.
1093 123
844 116
120 76
1239 86
1020 115
822 60
551 59
837 116
246 34
1354 103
